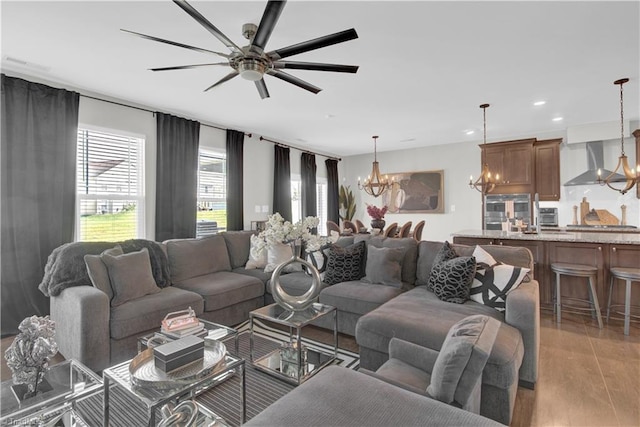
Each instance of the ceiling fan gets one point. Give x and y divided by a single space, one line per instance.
252 62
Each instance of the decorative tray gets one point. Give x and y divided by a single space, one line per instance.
144 373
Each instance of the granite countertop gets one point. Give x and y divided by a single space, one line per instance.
553 236
593 229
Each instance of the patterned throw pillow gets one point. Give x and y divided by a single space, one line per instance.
451 279
345 264
492 282
444 254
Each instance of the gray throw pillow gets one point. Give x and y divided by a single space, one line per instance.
462 358
130 276
451 280
196 257
384 266
345 264
98 272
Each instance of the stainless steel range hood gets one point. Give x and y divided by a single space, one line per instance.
595 161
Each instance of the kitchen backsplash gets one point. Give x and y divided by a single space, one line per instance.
599 197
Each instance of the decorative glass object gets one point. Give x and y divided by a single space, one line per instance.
29 354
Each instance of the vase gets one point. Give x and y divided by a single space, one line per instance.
378 223
295 303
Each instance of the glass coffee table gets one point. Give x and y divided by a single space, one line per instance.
214 331
293 361
70 382
153 398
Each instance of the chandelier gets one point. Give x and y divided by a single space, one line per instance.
485 183
630 175
375 184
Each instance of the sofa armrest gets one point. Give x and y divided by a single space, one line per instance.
82 316
393 382
415 355
523 313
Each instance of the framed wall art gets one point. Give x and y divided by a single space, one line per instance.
416 192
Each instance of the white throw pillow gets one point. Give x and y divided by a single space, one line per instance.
256 259
494 280
277 254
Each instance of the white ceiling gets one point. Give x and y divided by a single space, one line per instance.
425 66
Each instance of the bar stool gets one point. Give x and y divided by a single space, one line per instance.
628 275
576 270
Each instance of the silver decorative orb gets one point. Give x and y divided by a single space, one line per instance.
291 302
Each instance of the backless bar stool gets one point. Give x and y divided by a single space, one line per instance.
577 270
628 275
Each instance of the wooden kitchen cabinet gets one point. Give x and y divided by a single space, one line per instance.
547 169
514 162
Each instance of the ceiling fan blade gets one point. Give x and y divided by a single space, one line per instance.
315 66
156 39
294 80
222 80
207 25
187 67
262 88
313 44
268 22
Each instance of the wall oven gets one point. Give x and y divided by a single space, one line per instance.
500 207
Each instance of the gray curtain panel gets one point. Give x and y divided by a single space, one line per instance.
333 192
282 182
176 177
308 174
39 136
235 171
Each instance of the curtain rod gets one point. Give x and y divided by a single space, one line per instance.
149 111
262 138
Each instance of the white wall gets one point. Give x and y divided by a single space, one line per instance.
463 206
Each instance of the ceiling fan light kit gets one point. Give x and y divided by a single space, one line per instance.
631 175
252 62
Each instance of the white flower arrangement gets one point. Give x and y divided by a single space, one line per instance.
280 231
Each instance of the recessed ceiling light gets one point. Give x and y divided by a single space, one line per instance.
470 132
539 103
557 119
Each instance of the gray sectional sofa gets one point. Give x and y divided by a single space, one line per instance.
207 275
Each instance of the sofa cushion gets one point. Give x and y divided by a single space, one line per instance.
357 297
254 272
345 264
98 272
384 266
277 254
451 280
405 317
223 289
411 254
130 276
238 244
146 313
157 255
196 257
462 358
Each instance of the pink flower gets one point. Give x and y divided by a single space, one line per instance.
376 212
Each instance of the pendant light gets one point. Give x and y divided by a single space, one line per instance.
630 174
485 183
375 184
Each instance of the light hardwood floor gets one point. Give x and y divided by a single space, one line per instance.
587 376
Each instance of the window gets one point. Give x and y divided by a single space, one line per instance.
212 193
321 202
110 196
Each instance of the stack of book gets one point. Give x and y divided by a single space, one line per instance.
197 330
181 324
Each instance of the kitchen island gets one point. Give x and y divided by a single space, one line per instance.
602 250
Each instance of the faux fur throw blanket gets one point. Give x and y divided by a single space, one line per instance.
66 268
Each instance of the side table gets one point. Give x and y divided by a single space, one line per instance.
293 362
71 382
